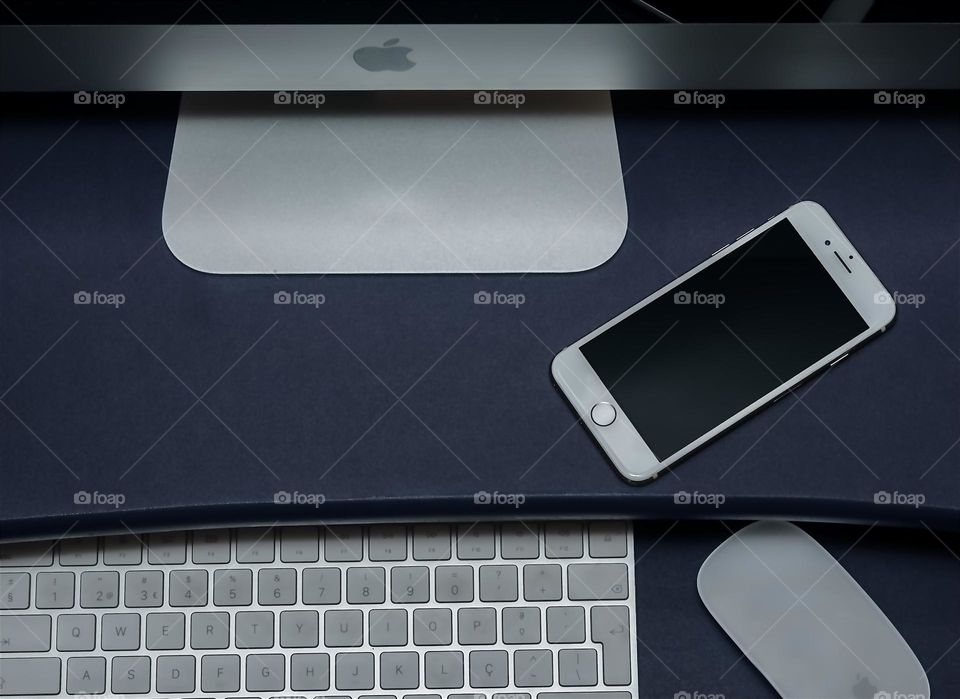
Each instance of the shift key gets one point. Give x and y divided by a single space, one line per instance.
603 581
29 677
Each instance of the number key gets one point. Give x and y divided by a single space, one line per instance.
233 587
277 586
365 585
99 589
143 588
54 590
14 590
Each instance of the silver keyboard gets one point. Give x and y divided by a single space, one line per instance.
425 611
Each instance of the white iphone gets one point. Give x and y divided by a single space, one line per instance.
750 323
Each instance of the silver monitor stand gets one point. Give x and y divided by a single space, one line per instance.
394 182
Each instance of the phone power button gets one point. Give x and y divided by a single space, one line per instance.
603 414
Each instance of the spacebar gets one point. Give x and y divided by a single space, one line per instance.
583 695
29 677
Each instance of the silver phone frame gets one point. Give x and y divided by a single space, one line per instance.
622 441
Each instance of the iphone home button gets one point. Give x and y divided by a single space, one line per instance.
603 414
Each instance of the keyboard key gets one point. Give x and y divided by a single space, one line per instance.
167 548
254 629
498 583
454 583
233 587
299 629
165 631
120 632
188 588
299 545
366 585
519 540
475 542
211 547
143 588
354 671
99 589
387 542
343 628
477 627
220 673
409 584
255 545
78 552
76 632
488 669
388 627
25 633
541 583
533 668
310 672
443 669
610 627
130 675
597 581
209 631
176 674
521 625
583 695
343 544
565 625
608 539
55 590
122 550
578 667
432 627
30 554
400 670
14 590
563 540
29 677
86 675
321 586
431 542
265 673
277 586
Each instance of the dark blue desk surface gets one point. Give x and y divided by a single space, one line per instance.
199 399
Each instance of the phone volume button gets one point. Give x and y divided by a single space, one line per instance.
747 233
719 249
839 359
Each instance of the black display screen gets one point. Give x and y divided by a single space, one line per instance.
697 355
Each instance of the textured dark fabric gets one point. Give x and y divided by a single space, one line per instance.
309 401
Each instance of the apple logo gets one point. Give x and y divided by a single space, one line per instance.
864 689
386 57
